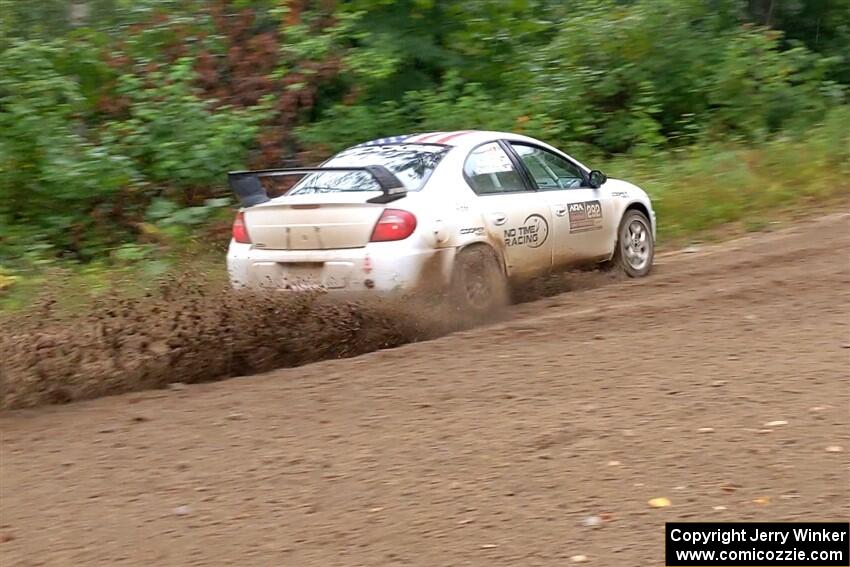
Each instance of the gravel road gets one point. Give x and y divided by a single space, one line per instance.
720 383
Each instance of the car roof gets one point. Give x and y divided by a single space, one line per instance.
455 138
467 139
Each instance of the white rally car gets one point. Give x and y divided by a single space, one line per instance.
470 212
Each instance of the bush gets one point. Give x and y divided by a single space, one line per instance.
105 114
57 177
79 186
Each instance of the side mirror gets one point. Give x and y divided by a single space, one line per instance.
597 179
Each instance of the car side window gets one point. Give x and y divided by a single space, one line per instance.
490 171
550 171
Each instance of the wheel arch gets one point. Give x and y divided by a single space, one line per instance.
500 257
633 206
644 210
640 207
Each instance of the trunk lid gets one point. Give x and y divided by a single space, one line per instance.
314 221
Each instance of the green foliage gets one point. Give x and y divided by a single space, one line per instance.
453 105
615 75
77 185
175 137
119 118
53 172
821 25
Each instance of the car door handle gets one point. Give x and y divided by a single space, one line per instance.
499 218
560 210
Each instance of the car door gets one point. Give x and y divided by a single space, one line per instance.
514 213
582 217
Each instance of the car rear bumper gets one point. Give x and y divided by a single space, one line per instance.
377 267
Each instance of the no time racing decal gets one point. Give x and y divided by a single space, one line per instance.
533 233
585 216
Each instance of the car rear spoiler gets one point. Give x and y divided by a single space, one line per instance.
247 186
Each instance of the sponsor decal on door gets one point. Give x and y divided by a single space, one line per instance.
533 233
585 216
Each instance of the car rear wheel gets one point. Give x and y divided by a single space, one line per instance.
478 285
635 246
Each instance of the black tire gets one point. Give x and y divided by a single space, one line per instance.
632 256
478 286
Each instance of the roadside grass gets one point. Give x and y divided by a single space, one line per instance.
699 189
699 193
73 287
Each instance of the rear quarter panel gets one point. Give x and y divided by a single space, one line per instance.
456 208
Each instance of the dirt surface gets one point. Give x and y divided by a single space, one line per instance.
720 383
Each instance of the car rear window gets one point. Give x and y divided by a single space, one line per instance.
411 163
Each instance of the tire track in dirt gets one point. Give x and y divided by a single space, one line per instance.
484 447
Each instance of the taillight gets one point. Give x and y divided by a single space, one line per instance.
240 231
394 224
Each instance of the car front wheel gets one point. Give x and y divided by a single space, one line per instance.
635 246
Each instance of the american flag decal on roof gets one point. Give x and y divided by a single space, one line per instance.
388 140
419 138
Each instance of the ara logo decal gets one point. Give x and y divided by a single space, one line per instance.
533 233
585 216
